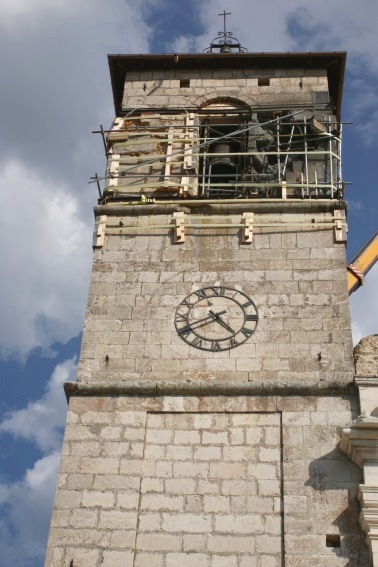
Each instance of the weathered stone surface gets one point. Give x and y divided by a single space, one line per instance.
301 313
366 356
211 483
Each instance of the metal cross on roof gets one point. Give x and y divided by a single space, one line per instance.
226 43
225 14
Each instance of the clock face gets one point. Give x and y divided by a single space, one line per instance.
216 318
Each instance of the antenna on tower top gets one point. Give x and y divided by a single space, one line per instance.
225 41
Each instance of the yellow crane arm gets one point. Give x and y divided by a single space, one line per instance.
362 263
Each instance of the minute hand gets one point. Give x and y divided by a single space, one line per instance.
223 323
211 315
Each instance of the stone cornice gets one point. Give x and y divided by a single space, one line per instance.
368 496
368 381
258 206
204 388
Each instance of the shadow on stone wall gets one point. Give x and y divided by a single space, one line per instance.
334 481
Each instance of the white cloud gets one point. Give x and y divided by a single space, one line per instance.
185 44
339 25
57 89
259 27
31 13
364 307
25 506
12 9
42 421
45 256
56 92
363 108
280 26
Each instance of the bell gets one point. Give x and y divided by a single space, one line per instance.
225 48
222 148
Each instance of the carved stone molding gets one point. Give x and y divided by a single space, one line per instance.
368 392
360 443
368 497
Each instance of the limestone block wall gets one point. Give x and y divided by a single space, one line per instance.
161 89
243 481
366 356
296 277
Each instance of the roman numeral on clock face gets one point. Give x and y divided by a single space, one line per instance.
218 290
197 342
181 318
251 318
246 332
200 293
233 342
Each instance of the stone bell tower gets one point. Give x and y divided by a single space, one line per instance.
216 369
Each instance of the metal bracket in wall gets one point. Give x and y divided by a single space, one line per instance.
341 227
99 232
247 227
179 230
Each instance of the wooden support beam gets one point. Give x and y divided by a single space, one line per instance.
99 232
179 230
247 228
341 228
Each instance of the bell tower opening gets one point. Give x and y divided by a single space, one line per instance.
224 137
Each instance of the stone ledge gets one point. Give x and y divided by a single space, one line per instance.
366 381
368 496
259 206
203 388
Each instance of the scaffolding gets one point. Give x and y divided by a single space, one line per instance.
222 154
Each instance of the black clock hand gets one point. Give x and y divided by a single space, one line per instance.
223 323
211 315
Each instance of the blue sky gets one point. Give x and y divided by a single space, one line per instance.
55 90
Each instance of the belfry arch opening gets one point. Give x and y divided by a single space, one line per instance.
265 153
224 136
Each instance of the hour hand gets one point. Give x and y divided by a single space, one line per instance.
211 315
220 320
